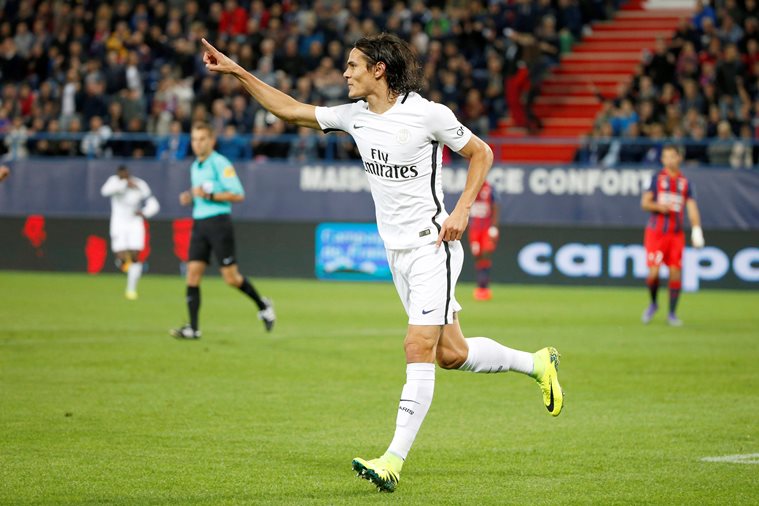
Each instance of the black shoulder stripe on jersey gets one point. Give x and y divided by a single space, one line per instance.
404 98
329 130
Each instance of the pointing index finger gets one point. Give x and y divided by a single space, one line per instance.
209 46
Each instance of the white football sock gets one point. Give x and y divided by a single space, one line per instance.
416 399
486 355
133 275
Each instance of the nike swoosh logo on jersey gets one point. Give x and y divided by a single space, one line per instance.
427 312
357 126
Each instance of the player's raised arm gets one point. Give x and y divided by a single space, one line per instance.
280 104
480 160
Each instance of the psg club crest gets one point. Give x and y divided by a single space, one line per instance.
403 136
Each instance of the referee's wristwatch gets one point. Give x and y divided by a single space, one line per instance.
209 196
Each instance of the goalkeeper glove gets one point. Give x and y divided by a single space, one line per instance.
697 237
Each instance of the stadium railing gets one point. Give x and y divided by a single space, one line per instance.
607 152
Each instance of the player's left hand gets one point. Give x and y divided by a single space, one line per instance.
453 227
697 238
493 232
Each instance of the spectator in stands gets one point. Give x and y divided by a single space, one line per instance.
743 154
695 148
94 100
95 143
231 145
304 147
474 114
701 13
12 64
632 149
691 98
48 145
728 72
687 63
115 118
15 140
623 116
174 146
661 66
569 17
721 149
69 145
233 21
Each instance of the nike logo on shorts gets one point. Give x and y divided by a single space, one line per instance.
228 260
427 312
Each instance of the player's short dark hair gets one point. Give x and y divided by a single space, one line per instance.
402 68
203 125
675 147
122 168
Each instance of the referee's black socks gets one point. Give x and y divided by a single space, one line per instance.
193 305
251 292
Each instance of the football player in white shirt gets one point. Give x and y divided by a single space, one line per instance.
400 135
131 203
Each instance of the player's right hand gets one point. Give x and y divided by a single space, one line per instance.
185 198
216 61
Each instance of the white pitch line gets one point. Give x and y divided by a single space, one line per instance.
746 458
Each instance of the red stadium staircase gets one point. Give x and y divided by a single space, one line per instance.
567 104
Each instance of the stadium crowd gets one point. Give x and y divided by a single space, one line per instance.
701 88
100 70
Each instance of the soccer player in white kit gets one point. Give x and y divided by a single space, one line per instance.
131 203
400 136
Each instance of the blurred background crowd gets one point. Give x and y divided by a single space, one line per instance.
125 78
701 88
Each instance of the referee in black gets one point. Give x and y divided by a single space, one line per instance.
215 186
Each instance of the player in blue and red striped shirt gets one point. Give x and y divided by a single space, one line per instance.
668 196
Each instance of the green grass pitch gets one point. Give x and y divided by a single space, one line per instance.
98 405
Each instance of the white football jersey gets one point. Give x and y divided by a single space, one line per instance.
402 153
126 201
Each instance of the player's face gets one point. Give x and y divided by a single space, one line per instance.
670 158
360 79
202 142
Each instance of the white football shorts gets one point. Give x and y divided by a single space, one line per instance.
425 278
128 236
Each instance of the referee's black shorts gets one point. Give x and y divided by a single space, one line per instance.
215 233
